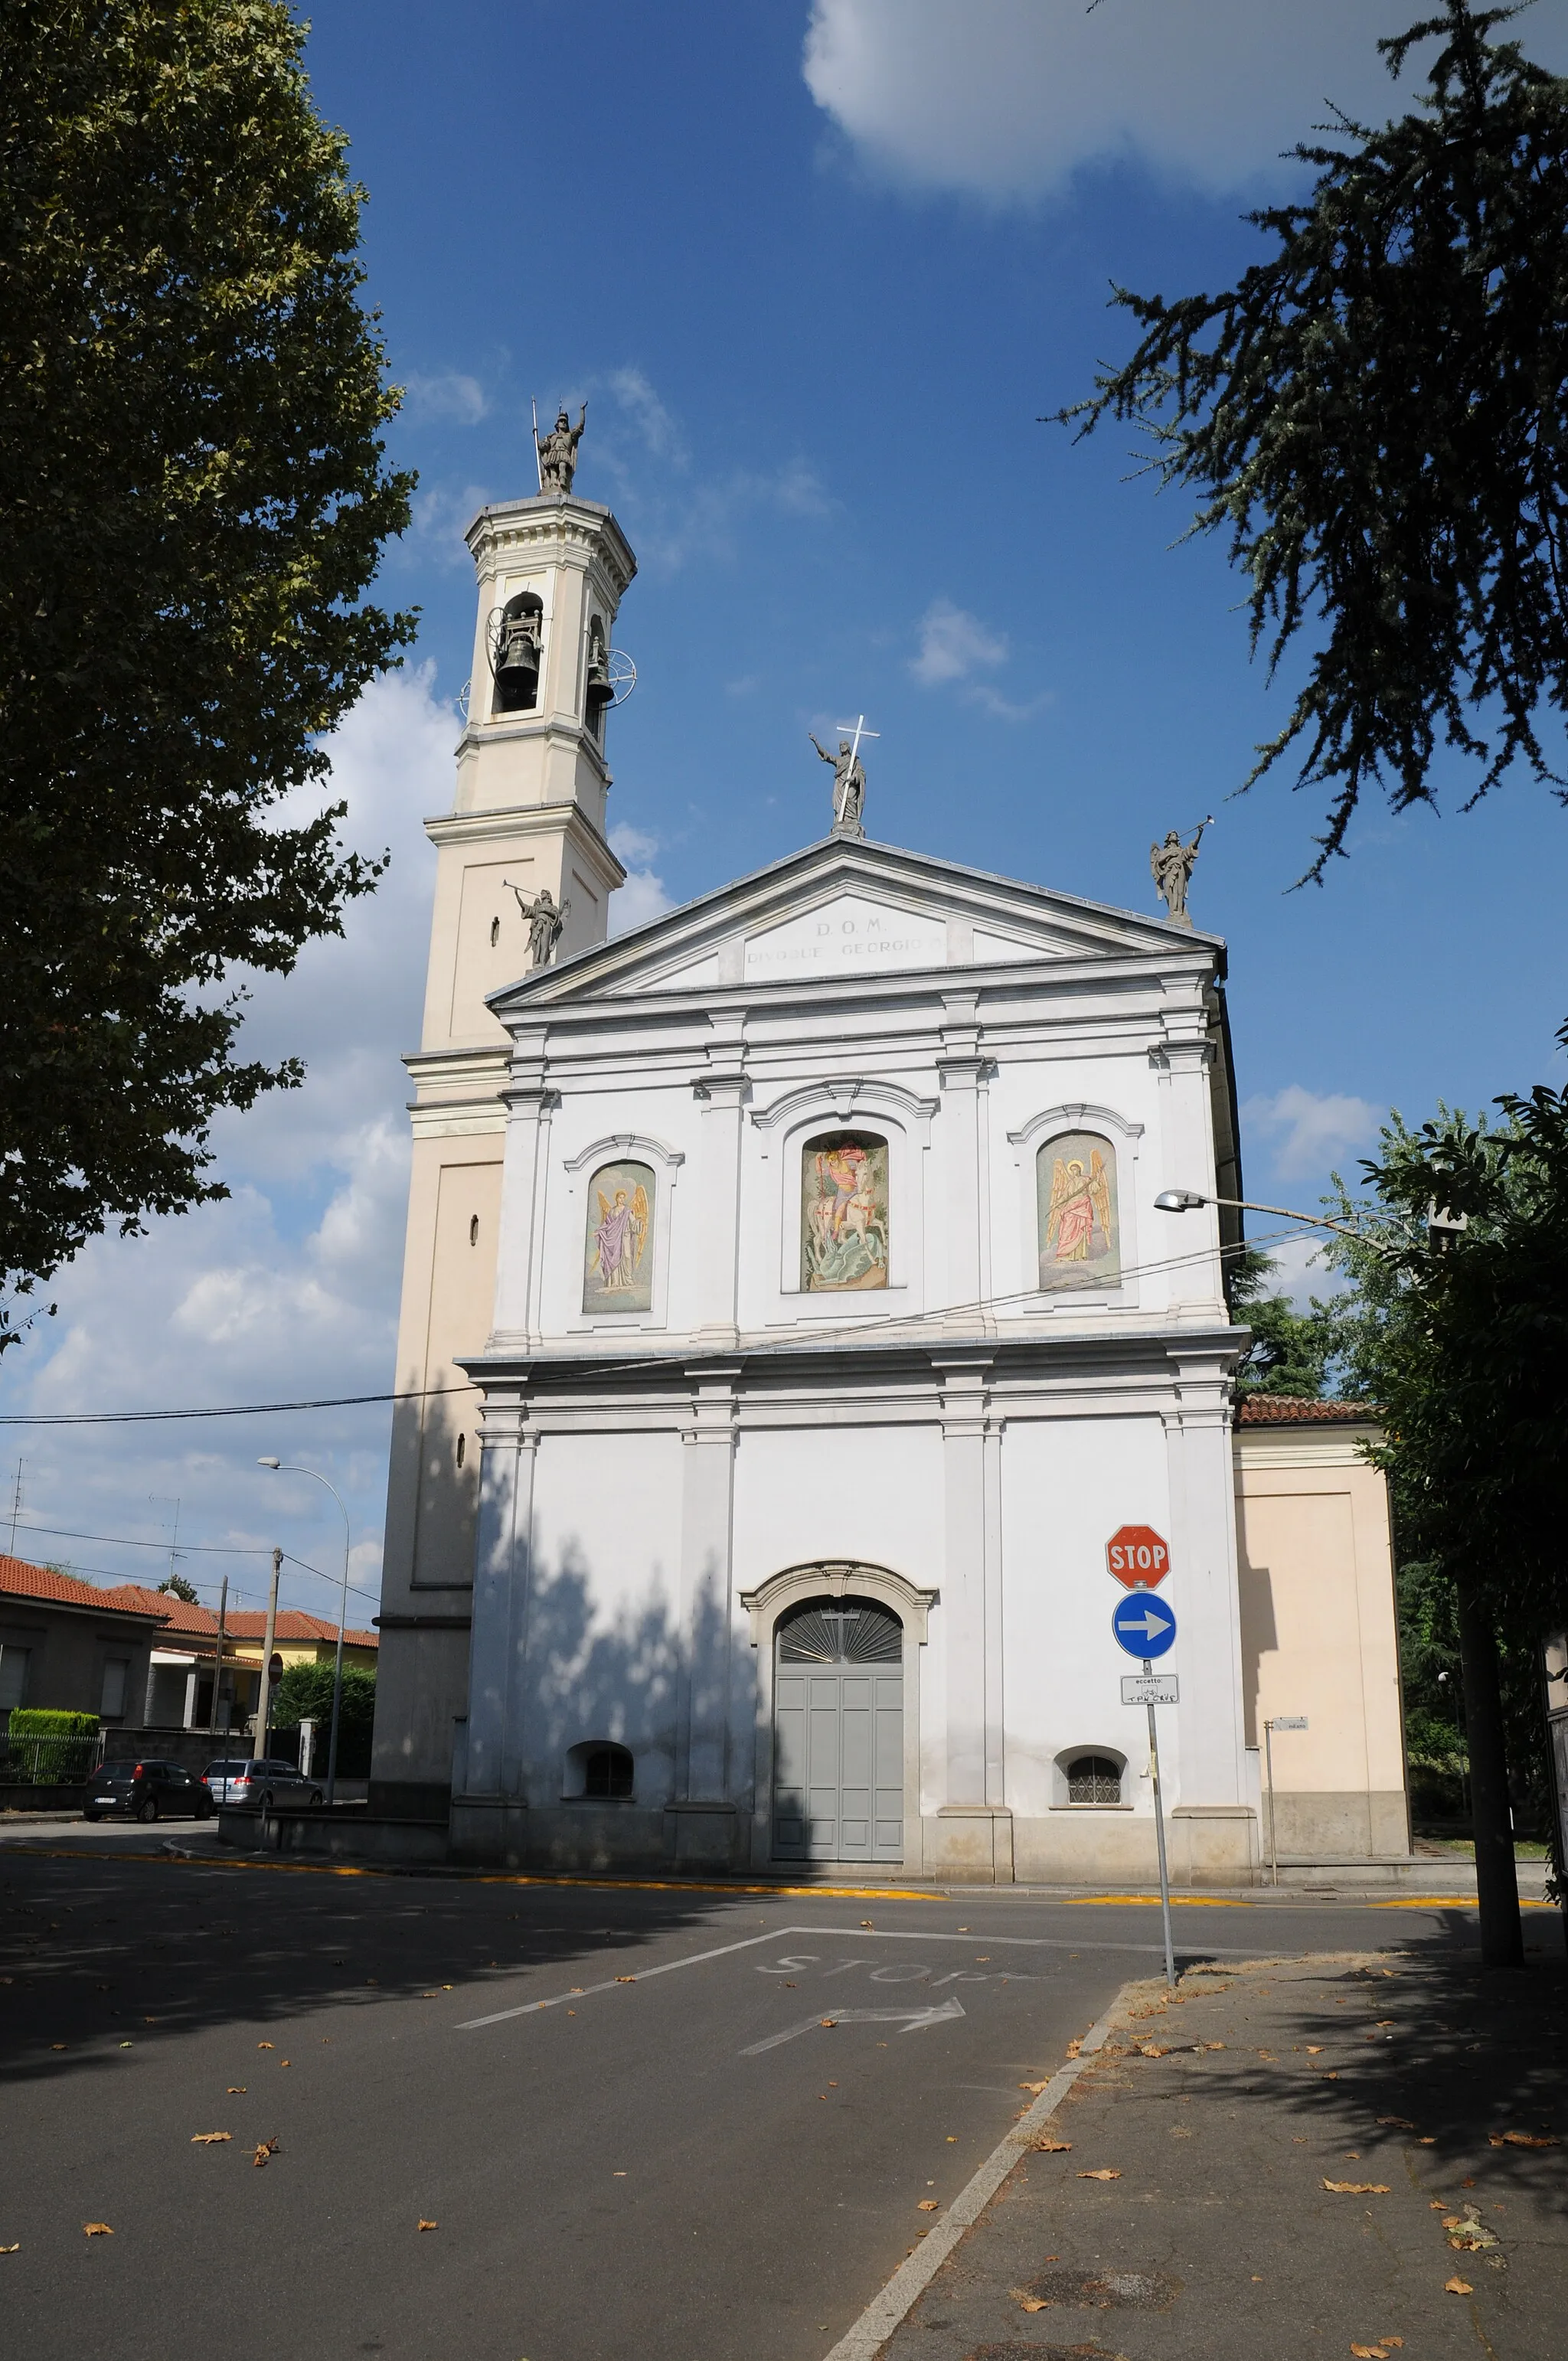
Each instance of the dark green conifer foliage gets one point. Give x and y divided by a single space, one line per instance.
1378 413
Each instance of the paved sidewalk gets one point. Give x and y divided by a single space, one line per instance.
1190 2210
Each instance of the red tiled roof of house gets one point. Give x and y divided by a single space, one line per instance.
294 1624
1296 1410
26 1581
180 1618
179 1614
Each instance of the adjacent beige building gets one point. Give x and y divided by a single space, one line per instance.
1315 1566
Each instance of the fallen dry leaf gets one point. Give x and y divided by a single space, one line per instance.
98 2229
1370 2352
1398 2122
1359 2187
1033 2302
829 2021
1053 2148
1314 2048
1466 2234
1457 2287
1521 2139
1430 2141
1035 2087
209 2139
58 2045
265 2149
430 2225
17 2247
264 2045
1074 2047
1213 2045
1103 2174
865 1922
626 1980
235 2091
926 2205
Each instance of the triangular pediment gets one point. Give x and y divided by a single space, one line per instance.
846 909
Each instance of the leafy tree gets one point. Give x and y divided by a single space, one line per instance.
192 500
1466 1352
304 1694
1378 412
179 1586
1290 1350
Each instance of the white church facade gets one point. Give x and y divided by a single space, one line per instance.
788 1323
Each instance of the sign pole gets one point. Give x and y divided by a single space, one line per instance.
1163 1868
1269 1761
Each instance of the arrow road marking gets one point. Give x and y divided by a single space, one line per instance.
1152 1626
913 2020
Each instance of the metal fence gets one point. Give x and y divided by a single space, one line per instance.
47 1762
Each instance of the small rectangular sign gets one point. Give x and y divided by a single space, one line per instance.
1149 1688
1288 1721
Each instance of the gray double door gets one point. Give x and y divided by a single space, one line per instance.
838 1734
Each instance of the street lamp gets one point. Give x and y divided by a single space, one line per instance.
277 1467
1188 1201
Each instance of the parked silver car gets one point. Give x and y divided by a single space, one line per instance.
240 1781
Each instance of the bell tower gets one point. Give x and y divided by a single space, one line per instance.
523 878
528 813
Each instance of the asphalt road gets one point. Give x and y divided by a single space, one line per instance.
620 2107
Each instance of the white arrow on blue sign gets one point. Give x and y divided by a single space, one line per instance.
1142 1624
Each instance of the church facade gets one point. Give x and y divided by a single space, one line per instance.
788 1324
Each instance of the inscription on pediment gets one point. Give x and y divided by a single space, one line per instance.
848 936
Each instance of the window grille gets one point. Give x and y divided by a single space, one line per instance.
1093 1779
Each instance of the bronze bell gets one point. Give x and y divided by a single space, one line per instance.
517 672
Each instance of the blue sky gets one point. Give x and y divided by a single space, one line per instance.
817 272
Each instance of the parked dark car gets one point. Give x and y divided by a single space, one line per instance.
265 1782
146 1790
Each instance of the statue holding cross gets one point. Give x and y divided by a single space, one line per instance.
848 777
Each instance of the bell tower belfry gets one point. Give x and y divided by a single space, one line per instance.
528 813
523 878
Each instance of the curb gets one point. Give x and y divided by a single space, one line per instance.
887 2311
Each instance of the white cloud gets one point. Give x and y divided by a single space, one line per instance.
676 514
1307 1132
642 897
954 644
1005 99
447 396
442 514
659 432
288 1289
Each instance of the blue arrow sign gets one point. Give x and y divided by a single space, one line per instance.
1142 1624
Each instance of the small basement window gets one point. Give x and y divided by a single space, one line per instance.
599 1770
1093 1779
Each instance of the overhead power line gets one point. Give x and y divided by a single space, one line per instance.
887 1324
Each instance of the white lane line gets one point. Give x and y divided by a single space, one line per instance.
913 2020
611 1983
1036 1942
884 2313
878 1935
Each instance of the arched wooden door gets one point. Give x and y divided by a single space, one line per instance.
839 1733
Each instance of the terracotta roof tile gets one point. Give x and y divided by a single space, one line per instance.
26 1581
1296 1410
294 1624
179 1617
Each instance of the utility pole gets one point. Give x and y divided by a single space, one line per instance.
264 1700
218 1666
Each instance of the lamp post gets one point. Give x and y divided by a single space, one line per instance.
1188 1201
279 1469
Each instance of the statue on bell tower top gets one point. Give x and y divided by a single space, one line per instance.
558 452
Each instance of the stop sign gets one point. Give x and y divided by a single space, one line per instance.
1136 1555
